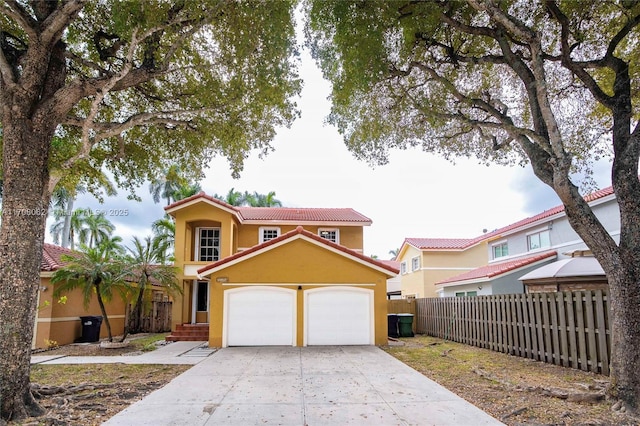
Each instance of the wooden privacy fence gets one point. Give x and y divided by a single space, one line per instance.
158 318
569 329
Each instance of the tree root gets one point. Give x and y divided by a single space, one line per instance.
578 397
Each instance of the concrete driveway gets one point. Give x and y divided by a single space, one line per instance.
349 385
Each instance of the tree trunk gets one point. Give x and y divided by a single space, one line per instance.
137 312
621 263
66 230
104 312
25 200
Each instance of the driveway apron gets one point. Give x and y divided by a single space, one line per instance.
337 385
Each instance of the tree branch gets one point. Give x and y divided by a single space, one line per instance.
57 21
14 10
574 67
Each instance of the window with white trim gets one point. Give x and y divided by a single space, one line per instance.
403 268
415 263
500 250
208 244
331 234
538 240
270 233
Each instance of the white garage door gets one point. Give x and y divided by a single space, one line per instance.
259 316
339 316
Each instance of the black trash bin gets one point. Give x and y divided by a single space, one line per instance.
91 328
392 325
405 325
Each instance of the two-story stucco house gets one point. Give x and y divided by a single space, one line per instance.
495 262
276 276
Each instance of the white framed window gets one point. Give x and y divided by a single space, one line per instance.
269 233
207 244
331 234
403 268
415 263
538 240
500 249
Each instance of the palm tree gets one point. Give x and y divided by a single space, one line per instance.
96 229
165 230
186 191
62 200
233 197
93 270
146 265
77 221
394 253
166 186
268 200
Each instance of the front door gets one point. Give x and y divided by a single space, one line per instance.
200 302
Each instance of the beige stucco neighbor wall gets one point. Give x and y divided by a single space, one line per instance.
60 323
437 265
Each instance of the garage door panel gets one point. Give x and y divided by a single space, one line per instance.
339 317
260 317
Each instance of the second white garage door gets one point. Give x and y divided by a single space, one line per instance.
339 316
259 316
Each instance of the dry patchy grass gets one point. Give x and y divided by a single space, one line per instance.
512 389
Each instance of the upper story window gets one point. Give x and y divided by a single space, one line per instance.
500 250
267 234
208 244
415 263
330 234
403 268
538 240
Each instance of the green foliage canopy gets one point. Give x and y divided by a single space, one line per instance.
151 84
446 76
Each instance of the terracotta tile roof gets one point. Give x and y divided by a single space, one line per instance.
463 243
291 234
495 269
302 214
51 257
440 243
283 214
393 263
200 194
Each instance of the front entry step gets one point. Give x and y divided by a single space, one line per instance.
189 333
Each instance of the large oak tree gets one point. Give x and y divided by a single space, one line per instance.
551 83
131 87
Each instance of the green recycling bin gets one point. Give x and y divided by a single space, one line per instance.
405 325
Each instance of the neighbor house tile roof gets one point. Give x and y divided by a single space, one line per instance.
495 269
299 231
51 257
440 243
463 243
281 214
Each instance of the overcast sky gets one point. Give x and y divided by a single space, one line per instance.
415 195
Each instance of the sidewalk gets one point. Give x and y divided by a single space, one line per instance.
189 353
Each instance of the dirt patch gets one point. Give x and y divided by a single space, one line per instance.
514 390
91 394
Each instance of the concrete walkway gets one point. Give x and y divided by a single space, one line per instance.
350 385
189 353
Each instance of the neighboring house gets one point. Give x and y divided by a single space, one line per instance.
59 323
517 251
276 276
426 261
